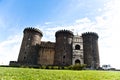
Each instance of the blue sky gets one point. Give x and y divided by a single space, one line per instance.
100 16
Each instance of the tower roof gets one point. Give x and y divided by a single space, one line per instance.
33 29
63 31
90 34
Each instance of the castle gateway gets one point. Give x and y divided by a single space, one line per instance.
69 49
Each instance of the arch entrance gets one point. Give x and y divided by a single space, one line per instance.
77 47
77 61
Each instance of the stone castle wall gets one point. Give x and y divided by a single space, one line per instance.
46 53
64 52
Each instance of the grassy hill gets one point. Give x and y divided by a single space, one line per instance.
7 73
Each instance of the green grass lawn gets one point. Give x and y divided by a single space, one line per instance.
7 73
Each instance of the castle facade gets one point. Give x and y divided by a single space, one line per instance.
69 49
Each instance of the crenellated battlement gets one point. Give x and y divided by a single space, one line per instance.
64 31
47 44
90 34
32 29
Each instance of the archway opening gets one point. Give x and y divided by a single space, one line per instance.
77 47
77 61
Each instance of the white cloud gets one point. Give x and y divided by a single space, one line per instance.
9 49
84 20
47 23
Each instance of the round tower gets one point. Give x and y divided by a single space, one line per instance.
29 47
63 48
90 49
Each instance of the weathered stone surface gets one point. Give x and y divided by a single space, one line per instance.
46 53
63 48
90 49
29 47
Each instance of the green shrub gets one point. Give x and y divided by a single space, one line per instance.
49 67
43 67
55 67
77 67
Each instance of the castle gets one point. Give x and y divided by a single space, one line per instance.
69 49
